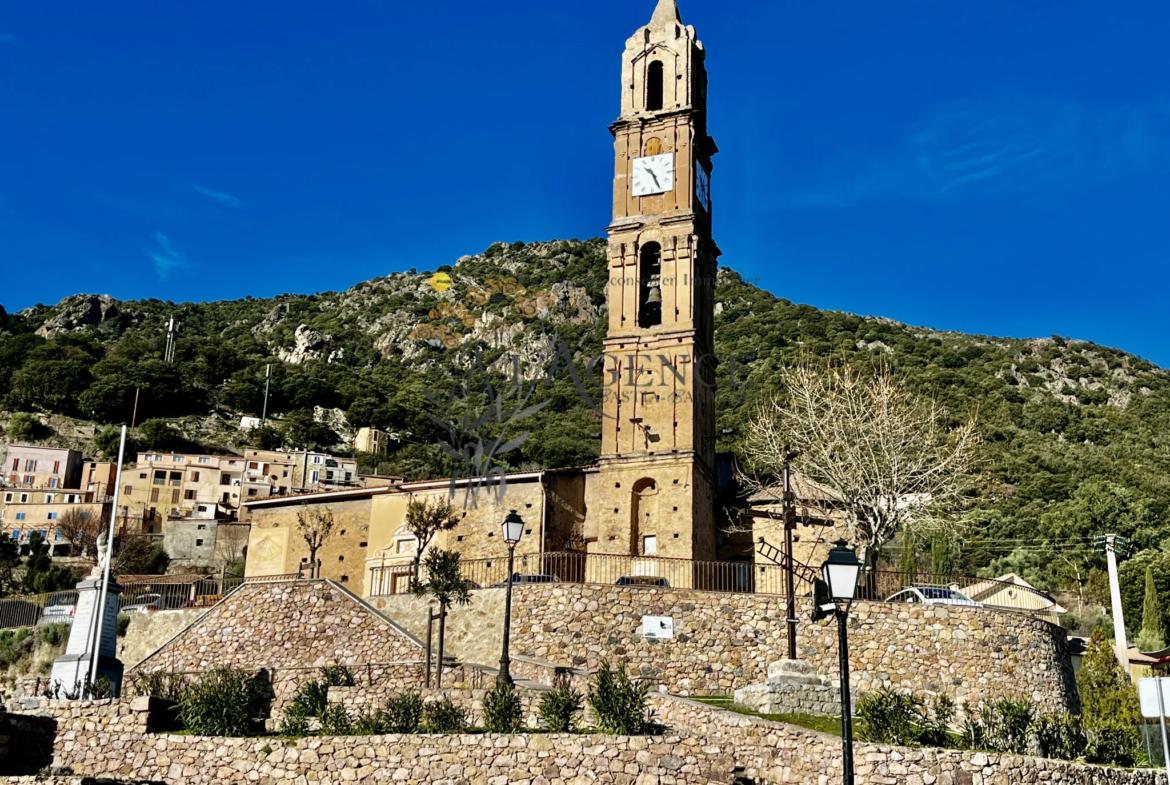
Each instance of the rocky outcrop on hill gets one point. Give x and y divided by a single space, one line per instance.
310 345
79 311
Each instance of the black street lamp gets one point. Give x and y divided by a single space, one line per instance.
513 528
840 572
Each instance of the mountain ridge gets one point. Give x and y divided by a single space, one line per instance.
1059 416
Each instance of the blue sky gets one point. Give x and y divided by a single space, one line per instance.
996 167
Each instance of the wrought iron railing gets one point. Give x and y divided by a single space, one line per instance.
733 577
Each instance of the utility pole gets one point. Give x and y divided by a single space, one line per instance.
134 417
1113 544
169 355
267 379
789 525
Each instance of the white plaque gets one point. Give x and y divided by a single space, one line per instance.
1148 696
658 627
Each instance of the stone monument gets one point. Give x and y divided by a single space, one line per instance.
71 671
793 687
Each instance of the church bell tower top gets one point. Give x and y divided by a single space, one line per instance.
665 13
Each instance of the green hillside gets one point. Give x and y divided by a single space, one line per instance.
1078 435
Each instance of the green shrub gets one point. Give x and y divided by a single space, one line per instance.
310 700
502 712
337 676
123 625
335 721
1061 736
160 684
370 723
404 713
889 717
444 717
294 725
559 708
619 702
1008 724
1114 743
224 702
55 634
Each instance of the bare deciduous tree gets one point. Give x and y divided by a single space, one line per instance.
231 542
425 519
314 526
885 454
81 529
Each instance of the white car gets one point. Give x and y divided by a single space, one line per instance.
143 603
933 595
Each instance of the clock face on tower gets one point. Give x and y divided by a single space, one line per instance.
653 174
703 186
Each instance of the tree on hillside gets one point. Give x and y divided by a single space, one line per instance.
81 529
908 559
24 427
9 560
942 563
40 574
1153 634
140 555
314 526
301 429
887 455
425 519
447 585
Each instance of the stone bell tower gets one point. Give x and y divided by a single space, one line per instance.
657 476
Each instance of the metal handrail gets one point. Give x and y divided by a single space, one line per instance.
713 576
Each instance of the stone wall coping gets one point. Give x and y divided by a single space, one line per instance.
547 664
738 719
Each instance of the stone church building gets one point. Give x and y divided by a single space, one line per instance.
652 498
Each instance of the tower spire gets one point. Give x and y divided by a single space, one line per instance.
665 13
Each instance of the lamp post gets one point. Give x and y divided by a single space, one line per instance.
840 572
513 528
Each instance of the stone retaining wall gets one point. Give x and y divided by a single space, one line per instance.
358 700
108 738
773 752
725 641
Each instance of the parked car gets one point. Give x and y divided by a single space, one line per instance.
933 595
518 578
59 608
642 580
143 603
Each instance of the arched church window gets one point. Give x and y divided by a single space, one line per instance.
650 275
654 86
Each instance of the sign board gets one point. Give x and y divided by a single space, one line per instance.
658 627
1148 696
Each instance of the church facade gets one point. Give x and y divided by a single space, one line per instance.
652 495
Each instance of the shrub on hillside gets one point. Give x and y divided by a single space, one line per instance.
502 712
889 717
443 716
404 713
224 702
559 708
620 703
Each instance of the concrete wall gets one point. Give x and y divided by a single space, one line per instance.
475 632
724 641
148 631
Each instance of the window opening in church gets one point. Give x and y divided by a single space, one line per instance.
650 269
654 86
